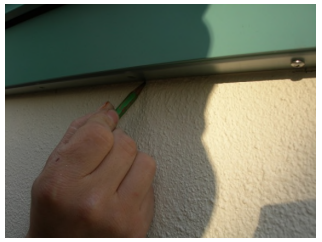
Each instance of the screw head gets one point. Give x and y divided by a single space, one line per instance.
297 63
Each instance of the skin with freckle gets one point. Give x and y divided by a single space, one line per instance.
94 184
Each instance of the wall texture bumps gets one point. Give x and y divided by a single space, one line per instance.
236 154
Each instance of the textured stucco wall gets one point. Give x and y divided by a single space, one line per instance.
235 153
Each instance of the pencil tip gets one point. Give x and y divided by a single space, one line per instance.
139 88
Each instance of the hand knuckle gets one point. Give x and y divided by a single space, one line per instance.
66 150
90 136
47 190
148 162
89 209
102 116
98 133
74 124
128 145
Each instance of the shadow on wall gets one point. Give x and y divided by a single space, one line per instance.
185 182
171 131
168 123
288 220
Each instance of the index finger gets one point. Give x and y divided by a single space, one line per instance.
90 143
76 124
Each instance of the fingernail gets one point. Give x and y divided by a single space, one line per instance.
105 105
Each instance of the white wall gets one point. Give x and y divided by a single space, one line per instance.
235 153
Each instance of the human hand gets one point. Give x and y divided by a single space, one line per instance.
94 184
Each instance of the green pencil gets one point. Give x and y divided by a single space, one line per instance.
129 100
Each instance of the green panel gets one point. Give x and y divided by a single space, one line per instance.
245 29
82 39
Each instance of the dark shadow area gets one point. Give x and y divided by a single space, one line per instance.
79 39
28 11
171 132
288 220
